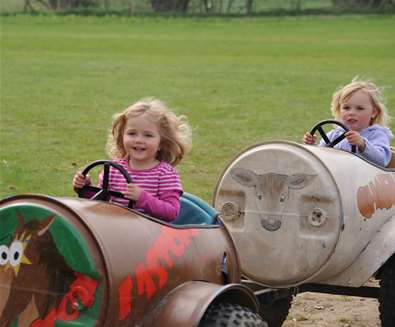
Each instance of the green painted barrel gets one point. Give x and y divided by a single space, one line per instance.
48 276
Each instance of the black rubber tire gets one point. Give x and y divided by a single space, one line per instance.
276 312
230 315
387 293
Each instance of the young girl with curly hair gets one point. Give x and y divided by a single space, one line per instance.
148 140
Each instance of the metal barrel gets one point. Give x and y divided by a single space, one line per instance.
300 213
76 262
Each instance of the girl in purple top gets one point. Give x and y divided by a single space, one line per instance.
360 106
147 139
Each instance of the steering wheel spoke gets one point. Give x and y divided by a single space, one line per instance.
101 195
337 140
323 134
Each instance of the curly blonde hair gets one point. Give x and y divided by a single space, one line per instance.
367 86
175 132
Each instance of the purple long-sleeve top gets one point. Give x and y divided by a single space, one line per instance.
377 143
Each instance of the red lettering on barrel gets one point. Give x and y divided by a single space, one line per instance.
152 274
125 298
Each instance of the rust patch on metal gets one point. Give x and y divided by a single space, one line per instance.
378 194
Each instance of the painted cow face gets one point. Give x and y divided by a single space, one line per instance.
272 191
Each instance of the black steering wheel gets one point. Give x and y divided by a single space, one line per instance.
331 144
104 193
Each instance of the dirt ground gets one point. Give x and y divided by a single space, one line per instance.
324 310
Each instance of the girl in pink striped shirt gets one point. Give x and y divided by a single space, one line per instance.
148 140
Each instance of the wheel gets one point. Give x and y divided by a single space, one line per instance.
318 127
387 293
230 315
104 193
276 312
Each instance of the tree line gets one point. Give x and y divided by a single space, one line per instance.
184 6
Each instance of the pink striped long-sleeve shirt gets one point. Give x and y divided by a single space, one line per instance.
161 189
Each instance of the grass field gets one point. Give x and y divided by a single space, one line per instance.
239 81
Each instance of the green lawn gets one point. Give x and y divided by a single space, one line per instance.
239 81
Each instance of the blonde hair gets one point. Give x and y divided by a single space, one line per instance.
376 98
175 132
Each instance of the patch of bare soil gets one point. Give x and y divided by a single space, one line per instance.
324 310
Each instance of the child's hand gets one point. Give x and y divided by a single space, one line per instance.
309 139
132 192
354 138
79 180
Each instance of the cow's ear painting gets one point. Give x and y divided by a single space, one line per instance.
299 181
251 179
244 177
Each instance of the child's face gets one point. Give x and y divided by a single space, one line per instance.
356 112
141 140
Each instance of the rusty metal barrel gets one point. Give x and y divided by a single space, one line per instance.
87 263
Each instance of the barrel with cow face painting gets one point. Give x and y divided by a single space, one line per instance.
296 211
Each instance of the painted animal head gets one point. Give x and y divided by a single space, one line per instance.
17 257
271 191
31 262
14 256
